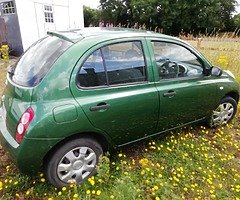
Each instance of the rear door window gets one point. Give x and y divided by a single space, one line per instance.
120 63
37 60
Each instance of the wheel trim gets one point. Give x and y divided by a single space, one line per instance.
76 165
222 114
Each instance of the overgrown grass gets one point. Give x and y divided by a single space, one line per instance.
222 53
190 163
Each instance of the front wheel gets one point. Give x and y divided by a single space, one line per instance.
74 161
224 113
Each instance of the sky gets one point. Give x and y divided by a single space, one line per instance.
95 4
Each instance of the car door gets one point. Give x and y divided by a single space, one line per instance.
186 94
116 90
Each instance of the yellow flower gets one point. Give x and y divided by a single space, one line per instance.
213 196
93 192
98 192
143 161
111 197
157 198
91 181
155 187
28 192
88 192
1 184
50 198
75 196
43 180
120 155
59 193
64 189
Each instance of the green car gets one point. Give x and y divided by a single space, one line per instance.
74 95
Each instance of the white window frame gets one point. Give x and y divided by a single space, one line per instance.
8 8
48 14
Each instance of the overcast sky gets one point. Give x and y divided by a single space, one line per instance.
95 4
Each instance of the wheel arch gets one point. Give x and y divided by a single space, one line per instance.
102 140
234 95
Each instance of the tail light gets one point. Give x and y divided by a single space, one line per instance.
23 124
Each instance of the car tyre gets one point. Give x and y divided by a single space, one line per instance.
224 113
73 162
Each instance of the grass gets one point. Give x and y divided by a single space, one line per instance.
189 163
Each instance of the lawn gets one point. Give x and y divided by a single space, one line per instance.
190 163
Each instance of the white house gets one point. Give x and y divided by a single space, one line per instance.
29 20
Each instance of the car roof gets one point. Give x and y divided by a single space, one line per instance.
76 35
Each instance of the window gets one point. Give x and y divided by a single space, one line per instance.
8 7
114 64
92 72
48 13
175 61
37 60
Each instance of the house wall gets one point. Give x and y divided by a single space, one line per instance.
67 14
13 30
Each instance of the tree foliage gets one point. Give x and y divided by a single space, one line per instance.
91 16
237 20
172 16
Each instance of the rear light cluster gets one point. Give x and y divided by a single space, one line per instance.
23 124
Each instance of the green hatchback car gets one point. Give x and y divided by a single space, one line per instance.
73 95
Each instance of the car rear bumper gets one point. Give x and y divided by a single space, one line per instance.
28 155
6 139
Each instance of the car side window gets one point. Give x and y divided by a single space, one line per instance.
175 61
119 63
124 63
92 72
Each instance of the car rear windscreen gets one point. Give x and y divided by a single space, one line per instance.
37 60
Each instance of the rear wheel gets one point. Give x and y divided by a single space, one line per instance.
74 161
224 112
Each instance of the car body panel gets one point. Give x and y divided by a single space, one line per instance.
135 104
15 101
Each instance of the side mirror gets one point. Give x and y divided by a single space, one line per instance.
216 71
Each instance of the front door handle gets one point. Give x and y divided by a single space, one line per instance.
170 93
100 106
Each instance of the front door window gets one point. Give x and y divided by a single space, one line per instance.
175 61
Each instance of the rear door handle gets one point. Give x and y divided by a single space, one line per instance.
170 93
100 106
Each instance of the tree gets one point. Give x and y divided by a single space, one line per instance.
91 16
226 10
116 11
173 16
237 20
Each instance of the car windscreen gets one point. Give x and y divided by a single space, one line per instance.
37 60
